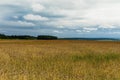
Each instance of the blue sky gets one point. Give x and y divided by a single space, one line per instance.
62 18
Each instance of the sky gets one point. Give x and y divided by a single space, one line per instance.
62 18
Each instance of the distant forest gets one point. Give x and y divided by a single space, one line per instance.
28 37
49 37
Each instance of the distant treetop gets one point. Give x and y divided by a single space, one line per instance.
46 37
40 37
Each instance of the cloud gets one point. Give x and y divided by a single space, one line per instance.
107 26
37 7
56 31
15 17
86 29
17 24
67 16
90 29
21 23
104 14
79 31
32 17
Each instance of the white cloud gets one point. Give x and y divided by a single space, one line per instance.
37 7
23 23
90 29
18 23
34 17
56 31
15 17
104 14
107 26
79 31
86 29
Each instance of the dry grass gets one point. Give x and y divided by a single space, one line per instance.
59 60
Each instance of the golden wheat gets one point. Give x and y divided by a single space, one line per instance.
59 60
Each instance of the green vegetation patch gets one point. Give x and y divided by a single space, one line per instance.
91 57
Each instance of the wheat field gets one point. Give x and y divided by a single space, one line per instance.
59 60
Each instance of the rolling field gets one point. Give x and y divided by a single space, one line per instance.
59 60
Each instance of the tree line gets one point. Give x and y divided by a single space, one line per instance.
28 37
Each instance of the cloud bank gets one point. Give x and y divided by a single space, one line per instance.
63 18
